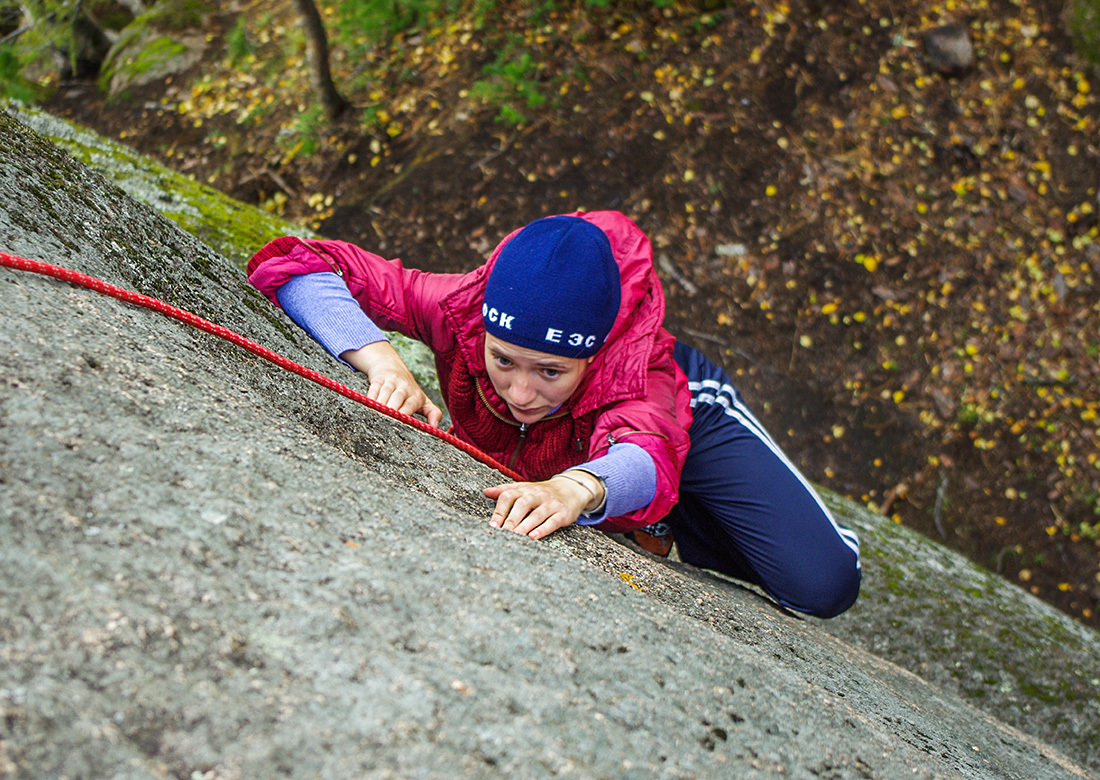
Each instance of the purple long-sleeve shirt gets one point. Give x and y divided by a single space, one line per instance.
321 305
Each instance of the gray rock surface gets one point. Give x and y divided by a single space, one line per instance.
231 228
948 49
210 568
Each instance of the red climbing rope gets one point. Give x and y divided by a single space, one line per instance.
100 286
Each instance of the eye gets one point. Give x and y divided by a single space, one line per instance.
551 373
502 361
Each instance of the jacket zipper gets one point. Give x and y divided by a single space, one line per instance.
489 406
611 440
322 253
523 427
519 445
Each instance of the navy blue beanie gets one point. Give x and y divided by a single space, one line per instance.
554 288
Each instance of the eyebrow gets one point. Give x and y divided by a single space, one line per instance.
540 364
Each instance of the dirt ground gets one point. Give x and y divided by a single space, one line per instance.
897 265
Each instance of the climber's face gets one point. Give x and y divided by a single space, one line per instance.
532 383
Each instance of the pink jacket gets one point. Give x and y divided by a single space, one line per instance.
633 391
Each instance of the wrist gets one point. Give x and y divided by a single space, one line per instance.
372 357
593 487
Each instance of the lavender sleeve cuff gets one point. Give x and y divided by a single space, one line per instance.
630 476
322 306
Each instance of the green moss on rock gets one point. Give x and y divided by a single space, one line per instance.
151 58
163 40
930 610
234 229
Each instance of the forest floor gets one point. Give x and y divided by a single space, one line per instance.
898 266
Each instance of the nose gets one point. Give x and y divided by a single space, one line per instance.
523 392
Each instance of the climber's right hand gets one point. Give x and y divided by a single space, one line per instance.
391 382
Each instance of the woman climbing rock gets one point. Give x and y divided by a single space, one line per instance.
552 358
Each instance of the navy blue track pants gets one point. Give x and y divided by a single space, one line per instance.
746 511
